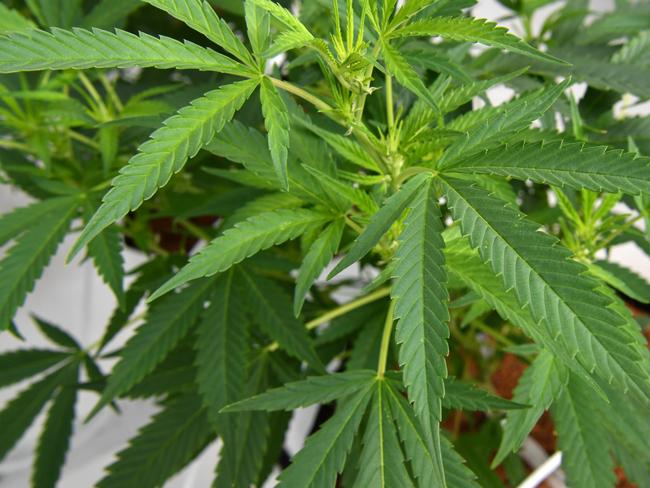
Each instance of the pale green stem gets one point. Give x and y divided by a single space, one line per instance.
385 340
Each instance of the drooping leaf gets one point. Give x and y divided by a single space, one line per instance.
564 301
166 324
27 258
382 462
244 240
586 457
161 448
540 385
165 153
381 222
54 441
575 165
222 345
314 389
271 307
201 16
324 454
276 117
472 30
81 49
320 254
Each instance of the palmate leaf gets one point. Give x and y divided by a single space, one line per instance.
515 116
222 345
399 67
54 441
81 49
244 240
165 153
276 117
381 222
19 413
30 254
420 296
320 254
381 463
324 454
561 298
161 448
18 365
418 450
314 389
586 458
540 385
575 165
270 305
201 16
166 324
472 30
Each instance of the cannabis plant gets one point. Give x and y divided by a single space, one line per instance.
305 152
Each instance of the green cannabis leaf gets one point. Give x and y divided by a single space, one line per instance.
331 214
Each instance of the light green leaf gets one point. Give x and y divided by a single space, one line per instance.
81 49
564 301
320 254
381 222
622 279
382 462
421 297
324 454
515 116
346 147
165 153
284 16
586 457
575 165
161 448
222 344
166 324
54 441
201 16
472 30
11 21
27 258
397 66
314 389
271 308
244 240
259 26
541 384
276 117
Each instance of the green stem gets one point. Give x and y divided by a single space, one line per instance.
338 311
385 340
390 114
304 94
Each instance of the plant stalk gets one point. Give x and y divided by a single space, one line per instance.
385 340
